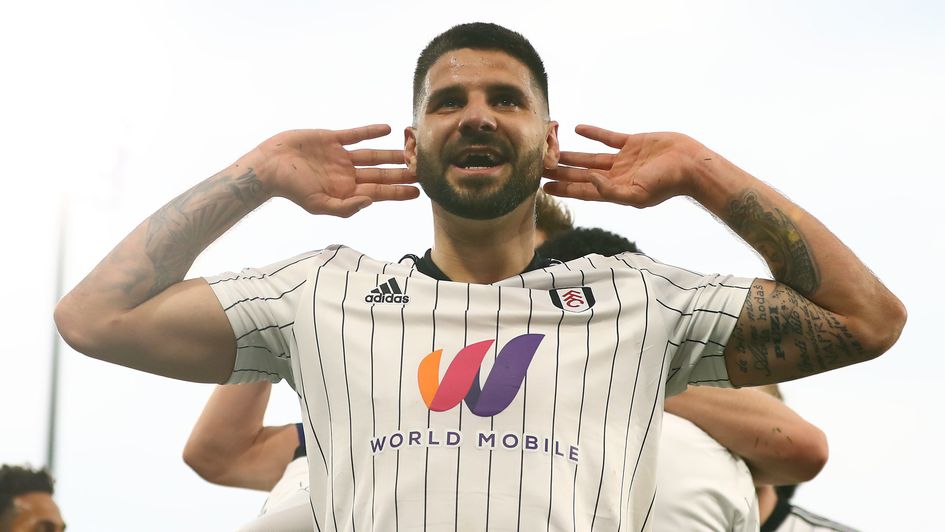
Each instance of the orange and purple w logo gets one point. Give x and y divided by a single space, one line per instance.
461 380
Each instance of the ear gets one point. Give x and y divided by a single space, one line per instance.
552 149
410 149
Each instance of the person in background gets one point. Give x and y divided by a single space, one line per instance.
716 443
26 501
774 502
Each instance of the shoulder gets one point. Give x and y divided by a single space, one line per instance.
814 521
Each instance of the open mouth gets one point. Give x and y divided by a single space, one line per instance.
479 160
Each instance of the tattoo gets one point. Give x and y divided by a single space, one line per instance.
780 328
180 230
778 240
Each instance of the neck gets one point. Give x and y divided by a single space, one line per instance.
767 499
484 251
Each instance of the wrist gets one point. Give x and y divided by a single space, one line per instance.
261 169
715 181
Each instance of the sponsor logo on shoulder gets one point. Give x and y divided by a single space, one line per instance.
388 292
577 299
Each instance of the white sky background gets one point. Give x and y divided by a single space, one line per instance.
121 105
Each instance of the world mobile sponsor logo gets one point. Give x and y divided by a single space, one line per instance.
461 381
483 440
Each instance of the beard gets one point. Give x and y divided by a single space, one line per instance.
473 201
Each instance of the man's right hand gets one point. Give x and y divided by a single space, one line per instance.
136 310
313 168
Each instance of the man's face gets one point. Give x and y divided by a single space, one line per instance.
36 512
482 136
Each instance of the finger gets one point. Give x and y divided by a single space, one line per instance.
375 157
387 192
610 138
600 161
355 135
581 191
567 173
389 176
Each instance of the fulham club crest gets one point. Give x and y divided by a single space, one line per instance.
576 299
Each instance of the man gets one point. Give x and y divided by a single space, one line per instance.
230 446
554 437
703 486
26 503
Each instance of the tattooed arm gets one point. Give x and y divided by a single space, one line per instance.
135 309
823 310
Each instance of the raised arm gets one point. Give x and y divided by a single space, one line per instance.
824 310
136 310
778 445
229 444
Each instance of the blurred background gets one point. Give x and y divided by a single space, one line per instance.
108 109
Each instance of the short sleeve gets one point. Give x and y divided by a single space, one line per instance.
261 304
700 312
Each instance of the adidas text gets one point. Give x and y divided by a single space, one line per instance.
386 298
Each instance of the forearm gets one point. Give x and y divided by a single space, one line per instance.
155 255
826 307
229 444
230 422
779 446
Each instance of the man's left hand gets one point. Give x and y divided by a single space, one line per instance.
647 169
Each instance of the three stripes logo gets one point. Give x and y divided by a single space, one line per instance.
461 380
387 292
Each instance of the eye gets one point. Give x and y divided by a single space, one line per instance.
507 101
449 103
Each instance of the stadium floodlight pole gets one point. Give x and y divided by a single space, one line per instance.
56 340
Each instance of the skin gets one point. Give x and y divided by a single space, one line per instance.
36 512
779 446
229 444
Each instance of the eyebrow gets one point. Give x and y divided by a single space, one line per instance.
501 88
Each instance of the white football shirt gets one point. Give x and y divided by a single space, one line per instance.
703 487
530 404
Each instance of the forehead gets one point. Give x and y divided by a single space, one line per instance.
478 69
36 505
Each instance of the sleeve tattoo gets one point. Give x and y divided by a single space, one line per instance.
778 325
180 230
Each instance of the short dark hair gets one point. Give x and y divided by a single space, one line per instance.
18 480
582 241
785 493
479 36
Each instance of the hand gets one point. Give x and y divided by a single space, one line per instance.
648 169
312 168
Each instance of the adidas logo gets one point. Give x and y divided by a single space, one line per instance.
388 292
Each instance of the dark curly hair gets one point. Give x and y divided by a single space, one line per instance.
479 36
17 480
582 241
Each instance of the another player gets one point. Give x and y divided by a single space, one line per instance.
26 503
716 443
552 437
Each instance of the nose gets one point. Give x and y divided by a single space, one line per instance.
478 116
